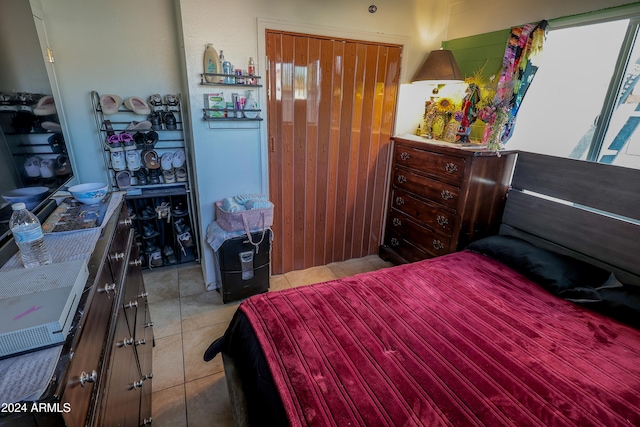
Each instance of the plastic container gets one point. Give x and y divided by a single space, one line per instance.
211 63
226 69
251 68
27 233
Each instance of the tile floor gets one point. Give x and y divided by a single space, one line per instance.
186 390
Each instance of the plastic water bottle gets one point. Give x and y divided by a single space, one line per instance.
27 233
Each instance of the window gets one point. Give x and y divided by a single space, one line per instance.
584 102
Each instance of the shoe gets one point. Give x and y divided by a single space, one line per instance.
56 142
181 175
180 209
109 128
172 102
154 176
148 231
181 226
46 106
137 105
169 120
178 159
114 143
155 259
141 176
63 166
139 139
150 247
185 239
110 104
22 122
143 125
169 177
123 178
118 162
147 213
32 166
169 255
163 211
151 160
126 139
46 168
51 126
131 214
155 119
166 161
133 160
155 101
151 139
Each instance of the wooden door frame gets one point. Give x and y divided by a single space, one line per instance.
317 30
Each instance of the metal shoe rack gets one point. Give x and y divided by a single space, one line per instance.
163 214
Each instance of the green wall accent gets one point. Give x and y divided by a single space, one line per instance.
474 52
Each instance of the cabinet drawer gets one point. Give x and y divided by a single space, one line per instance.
87 355
433 215
120 245
439 166
436 191
413 234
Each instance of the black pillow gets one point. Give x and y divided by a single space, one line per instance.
552 271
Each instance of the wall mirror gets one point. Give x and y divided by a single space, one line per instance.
34 158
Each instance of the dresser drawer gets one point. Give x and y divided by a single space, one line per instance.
88 353
120 246
439 192
410 233
439 166
435 216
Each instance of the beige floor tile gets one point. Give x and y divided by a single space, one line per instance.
194 343
205 309
278 282
165 316
161 283
351 267
208 402
168 362
379 262
191 280
310 276
168 408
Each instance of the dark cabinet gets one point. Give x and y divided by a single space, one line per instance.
442 197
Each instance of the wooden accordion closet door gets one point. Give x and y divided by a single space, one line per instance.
331 107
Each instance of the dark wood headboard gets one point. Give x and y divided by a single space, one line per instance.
590 211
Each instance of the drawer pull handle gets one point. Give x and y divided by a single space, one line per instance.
405 156
117 257
451 168
127 222
437 244
141 342
399 201
446 195
148 376
147 421
131 304
108 288
137 384
91 377
402 179
143 295
125 342
149 325
442 220
136 262
396 222
395 242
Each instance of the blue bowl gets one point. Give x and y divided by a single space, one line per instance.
90 193
30 196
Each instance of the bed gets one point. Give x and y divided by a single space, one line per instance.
535 326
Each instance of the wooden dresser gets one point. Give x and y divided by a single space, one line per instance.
442 197
103 377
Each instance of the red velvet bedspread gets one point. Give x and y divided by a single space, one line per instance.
457 340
